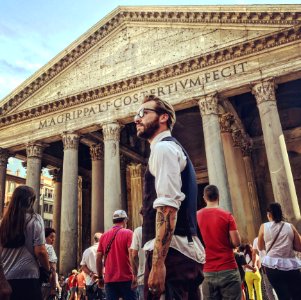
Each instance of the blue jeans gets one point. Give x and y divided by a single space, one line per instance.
140 292
222 285
116 290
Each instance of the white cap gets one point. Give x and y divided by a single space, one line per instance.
119 214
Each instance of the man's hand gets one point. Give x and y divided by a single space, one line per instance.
101 283
156 279
134 284
166 219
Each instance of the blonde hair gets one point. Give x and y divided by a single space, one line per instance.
163 106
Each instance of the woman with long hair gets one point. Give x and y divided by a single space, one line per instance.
252 275
23 241
282 267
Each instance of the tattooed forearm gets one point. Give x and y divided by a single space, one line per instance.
166 220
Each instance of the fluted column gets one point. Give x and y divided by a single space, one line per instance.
124 161
34 153
97 202
136 192
69 209
112 183
214 150
4 155
57 197
279 166
246 153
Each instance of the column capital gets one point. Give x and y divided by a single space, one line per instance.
237 138
135 170
70 140
35 149
264 91
96 152
56 174
111 132
4 156
226 121
209 104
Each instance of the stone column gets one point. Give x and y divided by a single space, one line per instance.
4 155
112 183
57 199
79 218
214 150
136 193
124 161
280 170
246 153
249 214
69 213
34 153
97 199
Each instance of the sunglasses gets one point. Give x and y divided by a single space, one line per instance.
140 114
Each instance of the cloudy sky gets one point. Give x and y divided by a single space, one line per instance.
33 31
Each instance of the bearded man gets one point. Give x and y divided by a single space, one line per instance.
174 254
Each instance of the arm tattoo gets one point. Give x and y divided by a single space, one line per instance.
166 219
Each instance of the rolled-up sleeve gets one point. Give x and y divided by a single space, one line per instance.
166 167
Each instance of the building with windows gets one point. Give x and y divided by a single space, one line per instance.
233 74
46 194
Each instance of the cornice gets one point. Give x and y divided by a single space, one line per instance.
182 14
250 47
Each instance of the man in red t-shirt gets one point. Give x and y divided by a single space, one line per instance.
113 248
220 235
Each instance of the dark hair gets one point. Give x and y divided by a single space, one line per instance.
48 231
163 107
276 211
211 192
242 248
13 224
248 250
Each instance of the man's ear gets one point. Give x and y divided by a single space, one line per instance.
163 118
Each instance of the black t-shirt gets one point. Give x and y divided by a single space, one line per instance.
241 261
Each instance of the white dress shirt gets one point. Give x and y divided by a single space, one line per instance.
166 162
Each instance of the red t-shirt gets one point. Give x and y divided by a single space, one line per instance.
118 267
215 224
72 281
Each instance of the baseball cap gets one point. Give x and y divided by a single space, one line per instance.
119 214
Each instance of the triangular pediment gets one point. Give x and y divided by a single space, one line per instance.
136 41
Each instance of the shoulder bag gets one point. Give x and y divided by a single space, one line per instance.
275 239
109 247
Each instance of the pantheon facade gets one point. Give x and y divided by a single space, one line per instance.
233 74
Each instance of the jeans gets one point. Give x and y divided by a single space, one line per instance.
25 289
140 292
287 284
222 285
116 290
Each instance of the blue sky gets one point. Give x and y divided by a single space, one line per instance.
32 32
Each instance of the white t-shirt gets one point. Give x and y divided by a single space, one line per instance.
137 245
51 253
89 260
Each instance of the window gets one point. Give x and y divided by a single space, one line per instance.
45 208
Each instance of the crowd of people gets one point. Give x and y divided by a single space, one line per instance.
178 253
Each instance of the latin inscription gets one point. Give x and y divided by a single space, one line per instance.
118 103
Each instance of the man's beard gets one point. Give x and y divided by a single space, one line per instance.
149 129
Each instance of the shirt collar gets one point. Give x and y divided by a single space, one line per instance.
160 137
